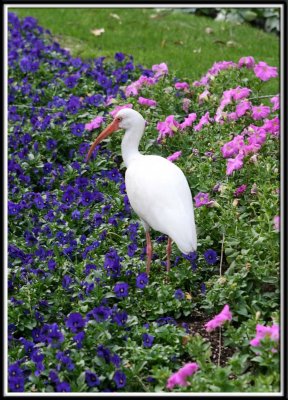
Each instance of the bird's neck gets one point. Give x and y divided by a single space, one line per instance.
130 143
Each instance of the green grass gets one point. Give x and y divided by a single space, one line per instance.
177 38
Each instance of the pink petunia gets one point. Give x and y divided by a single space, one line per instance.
264 72
240 190
272 126
186 104
180 377
94 124
134 87
174 156
234 164
275 101
204 120
181 85
167 128
260 112
258 137
201 199
242 108
159 70
263 331
219 114
276 222
203 96
247 62
233 147
227 97
188 121
132 90
232 116
251 148
219 319
147 102
214 71
229 149
118 108
241 93
176 379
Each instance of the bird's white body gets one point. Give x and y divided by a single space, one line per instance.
159 194
157 189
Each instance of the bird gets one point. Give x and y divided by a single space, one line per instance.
157 189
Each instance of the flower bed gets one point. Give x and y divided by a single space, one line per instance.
83 315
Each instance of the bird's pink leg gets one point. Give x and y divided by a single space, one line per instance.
148 252
169 248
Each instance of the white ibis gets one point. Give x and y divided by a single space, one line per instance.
157 189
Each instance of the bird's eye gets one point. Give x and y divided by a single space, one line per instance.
119 119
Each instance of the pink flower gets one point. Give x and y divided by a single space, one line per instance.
232 116
219 319
240 93
118 108
262 332
203 121
218 115
241 189
276 221
234 164
213 71
272 126
147 102
201 199
94 124
233 147
260 112
264 72
251 148
174 380
229 149
247 62
188 121
186 104
275 101
220 66
131 90
227 97
159 70
180 377
243 107
174 156
167 128
203 96
188 369
258 137
134 87
181 85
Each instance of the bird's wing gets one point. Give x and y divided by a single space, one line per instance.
159 193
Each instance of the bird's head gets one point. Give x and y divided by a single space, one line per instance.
124 119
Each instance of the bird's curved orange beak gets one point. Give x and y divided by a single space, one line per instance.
114 126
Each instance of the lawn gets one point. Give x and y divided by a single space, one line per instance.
181 40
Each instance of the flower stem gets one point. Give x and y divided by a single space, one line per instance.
222 251
220 347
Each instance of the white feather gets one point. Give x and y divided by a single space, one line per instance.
157 189
159 194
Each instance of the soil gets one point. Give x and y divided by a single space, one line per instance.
196 325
